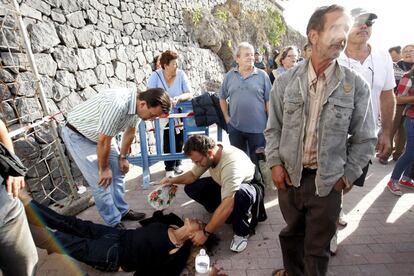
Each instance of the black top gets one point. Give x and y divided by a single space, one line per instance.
405 66
146 250
145 247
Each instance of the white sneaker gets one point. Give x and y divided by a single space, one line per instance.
341 221
178 170
333 247
169 174
238 244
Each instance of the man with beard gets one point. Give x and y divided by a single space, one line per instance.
319 136
227 193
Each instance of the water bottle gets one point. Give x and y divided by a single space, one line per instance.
202 263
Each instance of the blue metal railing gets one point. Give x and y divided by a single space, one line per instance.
145 160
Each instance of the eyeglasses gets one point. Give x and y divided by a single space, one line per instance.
367 22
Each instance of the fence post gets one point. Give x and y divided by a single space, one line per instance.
43 102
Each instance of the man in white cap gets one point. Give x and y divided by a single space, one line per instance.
376 67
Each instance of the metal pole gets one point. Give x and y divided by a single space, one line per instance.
43 101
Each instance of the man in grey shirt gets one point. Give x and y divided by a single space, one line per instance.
247 89
88 135
319 136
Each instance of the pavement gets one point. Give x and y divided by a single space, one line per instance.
378 240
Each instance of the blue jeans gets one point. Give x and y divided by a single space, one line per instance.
402 167
94 244
18 254
247 142
110 201
208 193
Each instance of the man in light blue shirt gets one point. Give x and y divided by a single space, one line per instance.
247 90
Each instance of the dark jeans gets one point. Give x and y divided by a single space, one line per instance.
247 142
311 224
411 170
179 142
94 244
402 167
208 193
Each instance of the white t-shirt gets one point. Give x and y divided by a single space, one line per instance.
377 70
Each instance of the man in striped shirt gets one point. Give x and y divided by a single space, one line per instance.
88 137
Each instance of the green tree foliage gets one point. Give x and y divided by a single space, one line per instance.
275 27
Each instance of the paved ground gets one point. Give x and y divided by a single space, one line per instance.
379 238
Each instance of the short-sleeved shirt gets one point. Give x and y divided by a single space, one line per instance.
108 113
377 70
179 86
247 99
233 169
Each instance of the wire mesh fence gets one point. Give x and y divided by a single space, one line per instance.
24 109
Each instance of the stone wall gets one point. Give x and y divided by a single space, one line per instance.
84 46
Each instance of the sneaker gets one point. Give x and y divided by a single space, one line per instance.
178 169
407 183
333 247
238 244
341 221
169 174
393 187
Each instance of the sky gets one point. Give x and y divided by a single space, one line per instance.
393 27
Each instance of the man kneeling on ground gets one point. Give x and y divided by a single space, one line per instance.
227 194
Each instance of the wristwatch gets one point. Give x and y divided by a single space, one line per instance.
123 156
206 233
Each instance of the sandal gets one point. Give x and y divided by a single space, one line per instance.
280 272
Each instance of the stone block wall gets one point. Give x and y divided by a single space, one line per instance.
84 46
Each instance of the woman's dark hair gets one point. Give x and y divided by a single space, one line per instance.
397 49
199 143
283 54
156 97
166 58
318 19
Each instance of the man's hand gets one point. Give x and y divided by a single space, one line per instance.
198 238
123 165
105 177
166 181
14 184
340 185
383 147
280 177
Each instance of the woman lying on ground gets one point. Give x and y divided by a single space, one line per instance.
161 247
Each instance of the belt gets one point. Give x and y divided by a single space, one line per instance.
74 129
307 171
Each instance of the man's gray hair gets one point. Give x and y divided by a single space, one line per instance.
243 45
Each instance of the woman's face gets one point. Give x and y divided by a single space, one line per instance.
193 225
171 67
290 60
408 54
